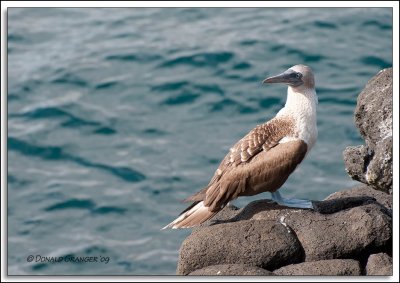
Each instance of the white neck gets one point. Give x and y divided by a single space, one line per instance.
301 105
301 101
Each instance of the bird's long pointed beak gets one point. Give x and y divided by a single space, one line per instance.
281 78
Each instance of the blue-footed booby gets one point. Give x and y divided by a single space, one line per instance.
263 159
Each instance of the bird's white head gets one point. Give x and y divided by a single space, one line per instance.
298 77
301 86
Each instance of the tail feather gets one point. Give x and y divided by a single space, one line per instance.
189 207
194 215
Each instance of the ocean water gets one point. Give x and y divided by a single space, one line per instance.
115 115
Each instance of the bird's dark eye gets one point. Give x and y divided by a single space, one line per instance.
298 75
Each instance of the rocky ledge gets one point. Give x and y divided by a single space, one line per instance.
372 163
348 233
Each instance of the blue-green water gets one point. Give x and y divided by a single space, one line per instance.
115 115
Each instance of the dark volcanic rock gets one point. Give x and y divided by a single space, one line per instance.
373 114
356 159
336 205
350 224
379 264
372 163
330 267
265 244
232 269
364 191
228 212
350 233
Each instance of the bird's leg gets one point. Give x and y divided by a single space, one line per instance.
299 203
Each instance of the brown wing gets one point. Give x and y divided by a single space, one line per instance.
261 139
267 171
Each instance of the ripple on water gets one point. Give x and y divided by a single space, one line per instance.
305 56
179 92
105 85
325 25
30 37
337 100
134 57
12 97
209 88
72 204
269 102
277 47
380 25
186 86
15 38
226 103
249 42
70 120
181 98
71 79
170 86
375 61
57 153
85 204
210 59
242 66
18 182
39 266
109 209
105 131
153 131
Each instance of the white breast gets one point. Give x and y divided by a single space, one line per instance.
301 107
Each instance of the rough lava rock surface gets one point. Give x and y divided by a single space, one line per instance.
372 163
380 264
264 244
332 267
364 190
264 234
232 269
350 233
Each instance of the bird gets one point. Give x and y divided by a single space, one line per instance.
263 159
